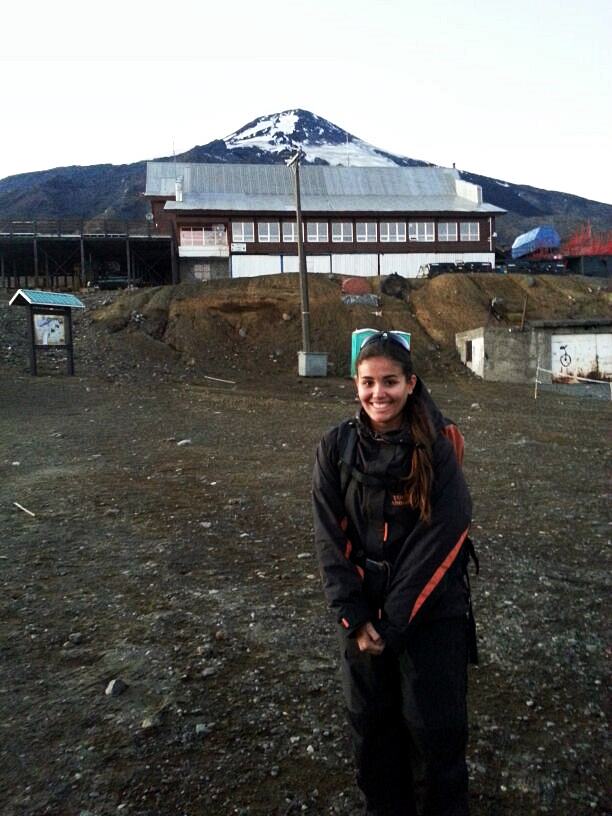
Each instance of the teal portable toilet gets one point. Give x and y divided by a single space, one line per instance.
359 335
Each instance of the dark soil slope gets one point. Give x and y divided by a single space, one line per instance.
253 325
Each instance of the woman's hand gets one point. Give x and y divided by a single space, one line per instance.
368 640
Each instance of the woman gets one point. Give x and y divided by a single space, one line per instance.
392 513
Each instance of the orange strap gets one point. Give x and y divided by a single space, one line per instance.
454 435
348 547
438 575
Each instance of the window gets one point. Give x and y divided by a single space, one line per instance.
366 231
468 351
289 231
421 231
392 231
243 232
192 236
470 231
210 235
268 232
316 231
447 231
342 231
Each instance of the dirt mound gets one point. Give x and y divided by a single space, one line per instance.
254 325
449 304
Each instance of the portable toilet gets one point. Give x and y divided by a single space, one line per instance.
358 337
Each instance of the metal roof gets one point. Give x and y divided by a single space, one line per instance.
374 204
36 297
324 188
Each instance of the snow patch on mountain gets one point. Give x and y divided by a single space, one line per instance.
323 142
287 122
352 154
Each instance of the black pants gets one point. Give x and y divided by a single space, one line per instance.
408 722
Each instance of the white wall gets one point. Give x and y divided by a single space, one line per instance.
476 338
586 353
314 263
244 266
366 264
477 364
408 264
355 264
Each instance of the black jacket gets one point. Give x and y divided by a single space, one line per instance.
367 519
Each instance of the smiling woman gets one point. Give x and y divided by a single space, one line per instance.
392 513
383 389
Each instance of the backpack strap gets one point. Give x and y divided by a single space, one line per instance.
347 453
347 457
472 639
471 551
455 437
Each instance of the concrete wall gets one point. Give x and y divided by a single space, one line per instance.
511 355
500 355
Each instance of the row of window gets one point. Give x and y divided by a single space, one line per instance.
365 231
341 232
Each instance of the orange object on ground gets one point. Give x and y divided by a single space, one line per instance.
356 286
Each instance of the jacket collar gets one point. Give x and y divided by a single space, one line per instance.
401 436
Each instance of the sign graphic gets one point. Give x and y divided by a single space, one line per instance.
49 330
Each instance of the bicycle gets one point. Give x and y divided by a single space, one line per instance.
565 358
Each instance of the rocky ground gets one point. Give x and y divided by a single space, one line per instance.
168 548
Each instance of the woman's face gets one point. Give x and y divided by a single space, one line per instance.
383 389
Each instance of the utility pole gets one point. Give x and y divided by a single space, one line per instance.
294 164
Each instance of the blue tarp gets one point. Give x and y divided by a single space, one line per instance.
538 238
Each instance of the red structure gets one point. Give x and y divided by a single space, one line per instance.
583 242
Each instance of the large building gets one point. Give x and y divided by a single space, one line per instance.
236 220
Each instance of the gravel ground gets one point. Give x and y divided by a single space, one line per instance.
171 551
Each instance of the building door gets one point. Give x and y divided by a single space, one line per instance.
474 355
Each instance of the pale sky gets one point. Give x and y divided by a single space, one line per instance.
515 89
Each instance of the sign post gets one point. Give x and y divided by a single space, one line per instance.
49 323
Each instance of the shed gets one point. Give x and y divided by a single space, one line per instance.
566 348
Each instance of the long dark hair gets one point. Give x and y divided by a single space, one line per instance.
420 478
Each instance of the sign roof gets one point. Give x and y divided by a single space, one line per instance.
36 297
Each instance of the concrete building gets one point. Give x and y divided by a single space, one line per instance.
235 220
566 348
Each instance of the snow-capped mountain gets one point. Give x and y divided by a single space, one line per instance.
115 191
279 135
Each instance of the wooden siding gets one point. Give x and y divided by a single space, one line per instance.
184 219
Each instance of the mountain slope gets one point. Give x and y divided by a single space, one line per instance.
115 191
100 190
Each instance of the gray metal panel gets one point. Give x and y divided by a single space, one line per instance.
253 187
234 202
316 179
339 204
